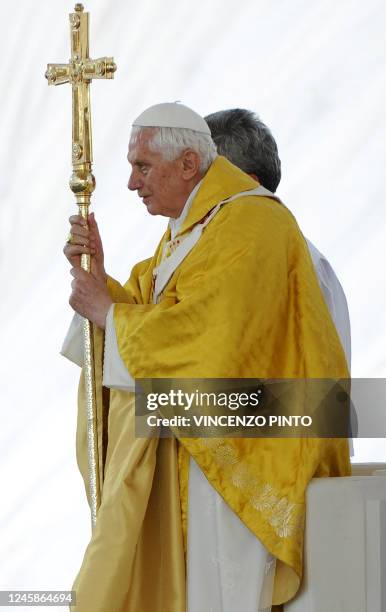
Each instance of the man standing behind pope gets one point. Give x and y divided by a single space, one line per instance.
195 524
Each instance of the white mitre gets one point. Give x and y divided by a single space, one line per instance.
174 115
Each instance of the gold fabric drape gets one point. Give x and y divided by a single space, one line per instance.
135 559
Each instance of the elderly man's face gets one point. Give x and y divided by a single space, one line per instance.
158 181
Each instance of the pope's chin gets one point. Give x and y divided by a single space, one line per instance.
152 208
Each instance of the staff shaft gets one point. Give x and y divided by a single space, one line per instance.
90 393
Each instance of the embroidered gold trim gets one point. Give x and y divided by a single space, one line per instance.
285 517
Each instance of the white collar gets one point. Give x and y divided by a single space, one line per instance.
176 224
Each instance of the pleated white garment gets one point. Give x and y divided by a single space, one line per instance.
228 568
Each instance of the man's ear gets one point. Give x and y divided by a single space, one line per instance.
190 162
253 175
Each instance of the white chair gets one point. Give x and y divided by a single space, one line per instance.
345 544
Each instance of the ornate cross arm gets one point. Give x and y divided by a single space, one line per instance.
74 72
79 72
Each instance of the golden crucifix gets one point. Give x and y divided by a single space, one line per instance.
79 72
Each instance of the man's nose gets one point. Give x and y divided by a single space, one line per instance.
134 182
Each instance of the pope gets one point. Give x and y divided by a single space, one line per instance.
231 292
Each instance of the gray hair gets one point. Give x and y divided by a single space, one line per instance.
248 143
171 142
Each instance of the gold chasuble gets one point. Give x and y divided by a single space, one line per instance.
244 303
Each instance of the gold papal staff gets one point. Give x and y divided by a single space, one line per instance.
79 72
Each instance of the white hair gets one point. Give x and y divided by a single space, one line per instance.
171 142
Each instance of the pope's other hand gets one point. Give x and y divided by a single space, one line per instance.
86 240
90 297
